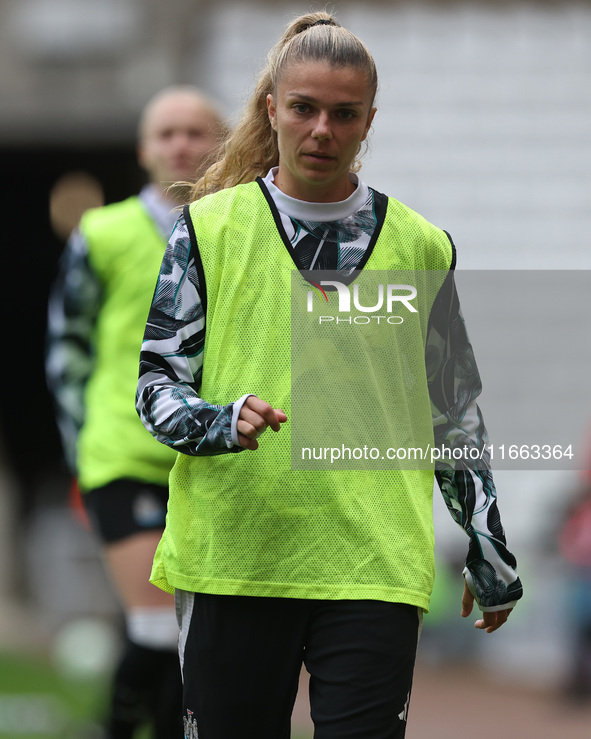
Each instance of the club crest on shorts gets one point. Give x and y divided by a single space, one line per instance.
148 510
190 726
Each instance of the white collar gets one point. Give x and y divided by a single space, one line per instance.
305 211
163 211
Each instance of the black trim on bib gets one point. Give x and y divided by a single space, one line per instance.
194 252
452 266
380 206
446 303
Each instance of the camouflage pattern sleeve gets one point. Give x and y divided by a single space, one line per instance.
73 307
467 487
171 361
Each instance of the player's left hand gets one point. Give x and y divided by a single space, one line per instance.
490 621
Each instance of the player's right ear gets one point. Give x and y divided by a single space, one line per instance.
272 111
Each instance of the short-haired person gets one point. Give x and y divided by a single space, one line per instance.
273 566
97 314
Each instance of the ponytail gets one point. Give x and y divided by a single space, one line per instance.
251 150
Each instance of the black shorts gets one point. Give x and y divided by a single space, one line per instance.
126 507
241 659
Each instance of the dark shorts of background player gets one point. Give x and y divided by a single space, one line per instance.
126 507
241 660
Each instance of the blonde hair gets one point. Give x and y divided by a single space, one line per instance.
250 150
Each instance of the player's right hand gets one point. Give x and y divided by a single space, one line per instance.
255 418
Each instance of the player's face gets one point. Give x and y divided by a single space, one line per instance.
321 114
178 135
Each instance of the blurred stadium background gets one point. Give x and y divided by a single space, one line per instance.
484 126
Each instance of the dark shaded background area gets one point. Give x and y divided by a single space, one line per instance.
30 258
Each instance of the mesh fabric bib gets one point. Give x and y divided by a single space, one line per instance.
125 251
249 524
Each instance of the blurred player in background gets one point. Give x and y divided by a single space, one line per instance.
574 542
97 313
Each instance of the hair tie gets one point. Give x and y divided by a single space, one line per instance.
321 22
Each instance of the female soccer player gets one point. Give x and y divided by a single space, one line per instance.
272 566
97 315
